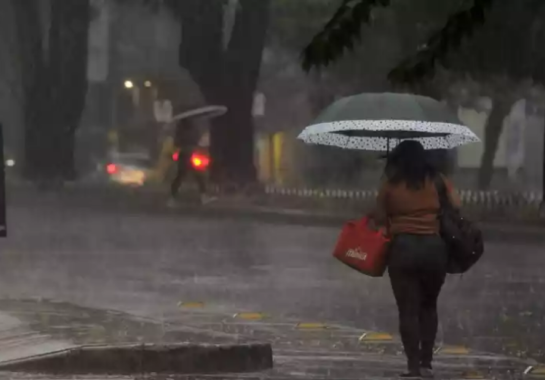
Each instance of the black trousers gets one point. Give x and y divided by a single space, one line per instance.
184 167
417 268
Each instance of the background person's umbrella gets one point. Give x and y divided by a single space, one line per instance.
166 140
379 122
206 112
200 113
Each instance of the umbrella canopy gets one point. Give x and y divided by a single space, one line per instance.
195 114
380 121
198 114
206 112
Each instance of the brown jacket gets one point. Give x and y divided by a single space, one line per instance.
409 211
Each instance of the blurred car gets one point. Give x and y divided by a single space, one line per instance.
129 169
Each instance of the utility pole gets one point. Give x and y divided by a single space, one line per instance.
3 206
542 201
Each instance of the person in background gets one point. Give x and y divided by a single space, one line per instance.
417 260
186 140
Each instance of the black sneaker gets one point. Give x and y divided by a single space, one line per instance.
427 373
206 199
173 203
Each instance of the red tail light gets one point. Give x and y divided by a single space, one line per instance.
200 161
111 168
176 156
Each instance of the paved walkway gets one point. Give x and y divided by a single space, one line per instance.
304 349
142 259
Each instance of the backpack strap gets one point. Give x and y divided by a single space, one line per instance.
442 193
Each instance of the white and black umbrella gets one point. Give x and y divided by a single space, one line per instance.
378 122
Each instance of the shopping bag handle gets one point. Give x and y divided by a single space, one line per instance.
368 223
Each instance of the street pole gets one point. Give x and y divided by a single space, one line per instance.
542 202
113 77
3 206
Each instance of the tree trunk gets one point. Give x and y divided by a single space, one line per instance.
34 80
493 130
201 53
240 75
201 44
227 77
54 84
70 60
542 202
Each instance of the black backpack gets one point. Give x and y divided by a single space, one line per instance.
463 238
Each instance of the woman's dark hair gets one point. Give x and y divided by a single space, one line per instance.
408 163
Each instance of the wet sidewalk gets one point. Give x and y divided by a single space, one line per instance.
31 331
302 349
65 322
305 349
144 263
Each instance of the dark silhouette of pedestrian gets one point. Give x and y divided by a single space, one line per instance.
417 263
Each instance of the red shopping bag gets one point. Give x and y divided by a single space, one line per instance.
362 248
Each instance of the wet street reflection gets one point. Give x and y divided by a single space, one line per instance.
171 278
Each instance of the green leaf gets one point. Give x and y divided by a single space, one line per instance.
459 26
340 33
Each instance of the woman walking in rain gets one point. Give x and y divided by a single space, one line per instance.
417 262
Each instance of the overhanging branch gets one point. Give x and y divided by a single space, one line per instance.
341 33
459 26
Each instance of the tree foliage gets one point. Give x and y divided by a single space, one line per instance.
287 29
508 45
496 43
458 28
506 21
343 31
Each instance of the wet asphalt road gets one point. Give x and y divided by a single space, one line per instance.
146 265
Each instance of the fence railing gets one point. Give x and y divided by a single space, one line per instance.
479 204
494 197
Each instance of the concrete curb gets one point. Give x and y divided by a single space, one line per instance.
148 358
